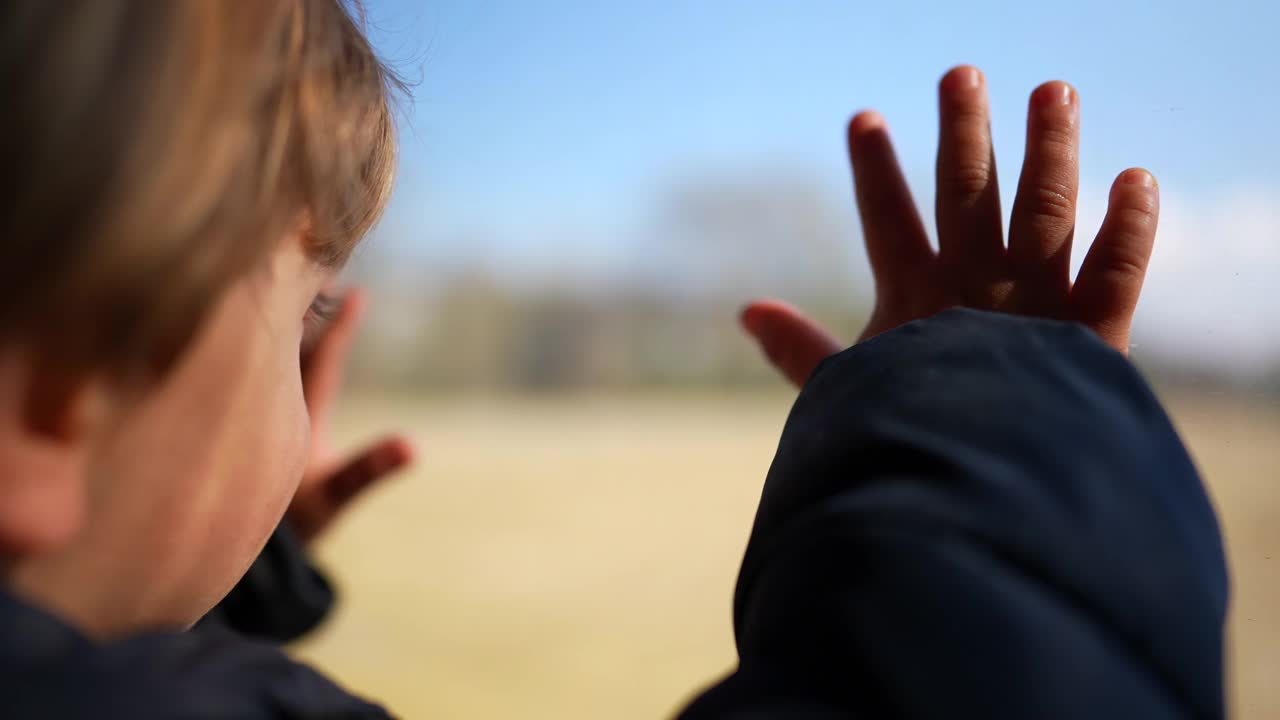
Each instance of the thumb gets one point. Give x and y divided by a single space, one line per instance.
793 342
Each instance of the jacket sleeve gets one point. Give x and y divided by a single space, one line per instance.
49 670
978 515
282 596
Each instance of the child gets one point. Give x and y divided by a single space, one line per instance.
183 181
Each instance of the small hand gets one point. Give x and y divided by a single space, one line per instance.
331 482
973 267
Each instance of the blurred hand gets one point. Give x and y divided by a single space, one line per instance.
973 267
331 481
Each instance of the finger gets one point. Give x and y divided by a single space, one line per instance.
1106 291
1044 212
375 463
793 342
897 245
970 232
322 367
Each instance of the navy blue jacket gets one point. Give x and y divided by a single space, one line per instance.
972 516
979 516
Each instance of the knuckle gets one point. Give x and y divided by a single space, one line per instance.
1127 266
1053 199
1127 254
1136 219
969 179
1126 260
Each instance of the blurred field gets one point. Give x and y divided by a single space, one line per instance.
575 557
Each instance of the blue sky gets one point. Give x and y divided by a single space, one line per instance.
564 119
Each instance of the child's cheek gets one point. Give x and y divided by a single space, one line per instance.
296 445
288 446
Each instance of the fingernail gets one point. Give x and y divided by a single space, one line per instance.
961 78
1054 93
1138 176
865 121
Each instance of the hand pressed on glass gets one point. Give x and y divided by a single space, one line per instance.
972 266
330 481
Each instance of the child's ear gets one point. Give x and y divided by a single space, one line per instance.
48 421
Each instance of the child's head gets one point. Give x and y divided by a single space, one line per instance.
181 180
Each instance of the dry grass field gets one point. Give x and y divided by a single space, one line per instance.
575 557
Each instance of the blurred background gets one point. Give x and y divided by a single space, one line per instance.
589 191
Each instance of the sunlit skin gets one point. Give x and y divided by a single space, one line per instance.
177 489
973 265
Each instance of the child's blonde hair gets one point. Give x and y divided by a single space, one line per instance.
155 152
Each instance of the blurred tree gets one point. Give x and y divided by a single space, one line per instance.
668 316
